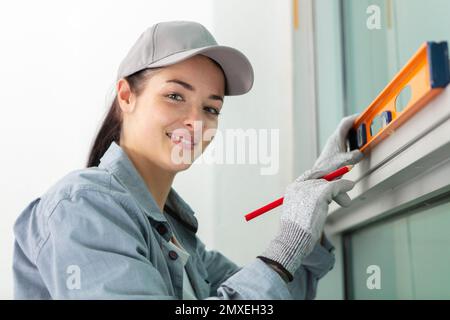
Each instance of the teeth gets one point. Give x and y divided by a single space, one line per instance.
179 139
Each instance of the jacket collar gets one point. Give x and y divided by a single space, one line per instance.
116 161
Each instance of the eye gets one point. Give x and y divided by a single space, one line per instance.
212 110
174 96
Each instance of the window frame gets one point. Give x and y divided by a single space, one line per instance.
405 170
349 289
418 151
417 154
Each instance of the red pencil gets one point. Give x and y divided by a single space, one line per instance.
329 177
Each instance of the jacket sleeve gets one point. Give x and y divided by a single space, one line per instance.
228 281
259 281
314 267
92 253
219 268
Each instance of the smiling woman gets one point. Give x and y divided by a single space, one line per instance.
118 230
165 108
139 85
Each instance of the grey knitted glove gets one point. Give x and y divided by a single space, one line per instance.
334 154
305 204
305 208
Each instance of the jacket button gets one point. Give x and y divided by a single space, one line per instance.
173 255
161 229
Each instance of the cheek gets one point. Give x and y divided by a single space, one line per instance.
153 121
209 131
164 114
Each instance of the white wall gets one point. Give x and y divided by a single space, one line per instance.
58 61
263 31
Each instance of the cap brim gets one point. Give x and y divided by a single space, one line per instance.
237 68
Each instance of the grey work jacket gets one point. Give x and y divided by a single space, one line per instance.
98 234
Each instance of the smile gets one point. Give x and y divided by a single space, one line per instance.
186 144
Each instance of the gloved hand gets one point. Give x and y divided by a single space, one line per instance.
334 154
305 208
305 204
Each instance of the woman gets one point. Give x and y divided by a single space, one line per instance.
117 229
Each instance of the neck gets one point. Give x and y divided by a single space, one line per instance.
157 180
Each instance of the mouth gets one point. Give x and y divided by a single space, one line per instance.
185 143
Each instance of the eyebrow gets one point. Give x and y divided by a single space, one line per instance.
191 88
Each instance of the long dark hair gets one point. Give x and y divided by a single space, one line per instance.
112 124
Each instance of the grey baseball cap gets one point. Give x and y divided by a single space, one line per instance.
169 42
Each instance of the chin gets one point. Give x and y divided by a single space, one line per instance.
176 167
181 163
182 168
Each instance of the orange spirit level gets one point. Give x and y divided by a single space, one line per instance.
424 76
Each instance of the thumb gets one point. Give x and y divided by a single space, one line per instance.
352 157
347 123
340 186
343 199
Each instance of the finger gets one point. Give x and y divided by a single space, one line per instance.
343 199
347 123
340 186
308 174
356 156
319 174
351 118
353 157
345 158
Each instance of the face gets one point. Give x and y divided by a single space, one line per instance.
170 123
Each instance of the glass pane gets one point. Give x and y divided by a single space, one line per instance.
430 243
418 21
382 246
329 69
411 251
367 55
374 56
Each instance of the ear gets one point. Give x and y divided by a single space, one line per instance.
125 97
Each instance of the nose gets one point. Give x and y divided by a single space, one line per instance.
193 120
194 124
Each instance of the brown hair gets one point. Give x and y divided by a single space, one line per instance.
112 124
